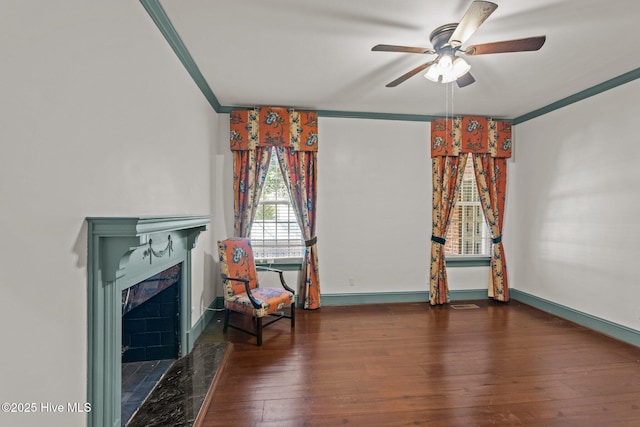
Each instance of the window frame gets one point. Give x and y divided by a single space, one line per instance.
282 263
470 260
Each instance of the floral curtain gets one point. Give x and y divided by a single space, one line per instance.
299 170
491 178
249 173
447 173
295 136
489 141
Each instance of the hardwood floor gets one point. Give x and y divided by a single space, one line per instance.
412 364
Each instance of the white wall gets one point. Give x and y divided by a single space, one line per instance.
374 205
573 206
374 208
98 117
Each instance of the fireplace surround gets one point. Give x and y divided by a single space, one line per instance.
123 251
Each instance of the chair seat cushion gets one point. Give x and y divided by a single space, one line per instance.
270 299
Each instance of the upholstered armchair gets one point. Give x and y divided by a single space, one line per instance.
244 296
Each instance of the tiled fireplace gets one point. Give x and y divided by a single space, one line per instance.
151 318
124 254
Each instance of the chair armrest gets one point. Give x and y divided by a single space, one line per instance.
254 302
281 273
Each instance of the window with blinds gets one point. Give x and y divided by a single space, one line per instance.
275 233
468 233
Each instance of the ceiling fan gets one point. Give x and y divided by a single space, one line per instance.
447 41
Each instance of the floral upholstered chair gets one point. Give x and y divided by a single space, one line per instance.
242 293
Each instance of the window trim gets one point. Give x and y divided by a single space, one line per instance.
467 261
284 264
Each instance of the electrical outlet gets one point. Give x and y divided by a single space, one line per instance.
351 281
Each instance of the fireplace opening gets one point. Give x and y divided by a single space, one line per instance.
150 335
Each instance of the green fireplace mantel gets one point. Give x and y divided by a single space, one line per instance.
123 251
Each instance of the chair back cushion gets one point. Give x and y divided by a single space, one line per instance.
236 260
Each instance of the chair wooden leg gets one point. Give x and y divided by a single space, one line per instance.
293 314
259 330
227 312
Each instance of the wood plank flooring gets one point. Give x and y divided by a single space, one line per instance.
412 364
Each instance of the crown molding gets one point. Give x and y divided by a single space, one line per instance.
160 18
572 99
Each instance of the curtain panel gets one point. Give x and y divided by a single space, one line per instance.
489 142
446 173
249 173
300 172
295 136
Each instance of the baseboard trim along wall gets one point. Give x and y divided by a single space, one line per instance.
391 297
603 326
216 305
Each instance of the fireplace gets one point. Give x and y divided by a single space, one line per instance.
151 318
150 335
124 253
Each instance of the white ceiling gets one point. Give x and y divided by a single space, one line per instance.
316 54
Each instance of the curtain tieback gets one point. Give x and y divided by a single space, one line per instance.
496 240
312 241
438 239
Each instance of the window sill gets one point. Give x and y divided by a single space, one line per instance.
288 264
461 261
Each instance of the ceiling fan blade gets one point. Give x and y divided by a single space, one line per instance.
465 80
409 74
477 13
407 49
519 45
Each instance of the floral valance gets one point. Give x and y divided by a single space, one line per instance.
470 134
274 126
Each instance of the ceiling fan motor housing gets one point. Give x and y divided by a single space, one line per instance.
441 35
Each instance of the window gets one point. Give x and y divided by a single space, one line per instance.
275 233
468 233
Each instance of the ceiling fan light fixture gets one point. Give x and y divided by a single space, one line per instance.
446 71
445 63
448 77
433 73
460 67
